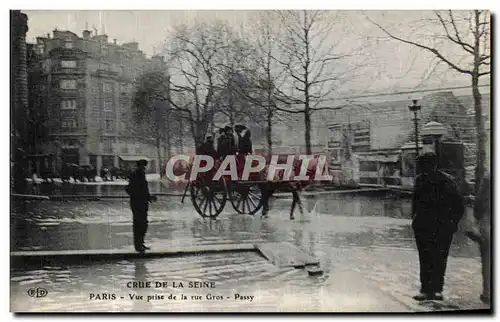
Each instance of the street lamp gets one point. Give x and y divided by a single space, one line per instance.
415 108
435 130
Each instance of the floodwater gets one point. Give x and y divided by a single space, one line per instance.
110 188
372 229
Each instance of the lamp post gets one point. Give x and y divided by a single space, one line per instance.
435 130
415 108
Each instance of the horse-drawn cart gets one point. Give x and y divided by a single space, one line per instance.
209 196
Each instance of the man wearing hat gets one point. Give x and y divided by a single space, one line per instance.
437 208
207 148
138 191
227 144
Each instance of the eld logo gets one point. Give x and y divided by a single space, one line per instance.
37 292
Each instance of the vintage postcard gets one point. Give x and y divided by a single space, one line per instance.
250 161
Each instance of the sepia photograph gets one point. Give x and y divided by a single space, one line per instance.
277 161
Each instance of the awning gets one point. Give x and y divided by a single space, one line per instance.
39 155
134 158
379 158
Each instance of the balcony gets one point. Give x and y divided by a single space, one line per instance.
106 73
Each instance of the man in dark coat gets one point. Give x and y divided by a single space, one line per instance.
437 208
140 197
244 143
227 144
207 148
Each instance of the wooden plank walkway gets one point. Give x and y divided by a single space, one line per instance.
76 256
281 195
284 254
29 197
281 254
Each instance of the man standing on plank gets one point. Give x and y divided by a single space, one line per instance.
437 208
140 198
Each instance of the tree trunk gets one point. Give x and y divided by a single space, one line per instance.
158 153
168 141
181 135
481 134
307 123
198 136
270 133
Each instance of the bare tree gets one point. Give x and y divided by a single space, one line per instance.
151 109
315 62
269 73
469 32
195 63
236 77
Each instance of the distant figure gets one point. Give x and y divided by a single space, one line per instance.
227 144
34 180
437 208
207 148
140 198
218 138
104 173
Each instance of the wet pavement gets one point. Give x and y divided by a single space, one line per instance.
358 238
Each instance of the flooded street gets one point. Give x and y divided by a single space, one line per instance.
347 233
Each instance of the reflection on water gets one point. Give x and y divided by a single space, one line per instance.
141 274
115 188
336 220
359 223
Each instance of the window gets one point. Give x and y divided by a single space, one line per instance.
109 125
369 166
107 146
68 104
104 66
68 124
138 150
41 49
68 44
108 105
362 139
107 87
124 149
68 64
68 84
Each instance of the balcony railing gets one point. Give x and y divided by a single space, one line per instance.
106 73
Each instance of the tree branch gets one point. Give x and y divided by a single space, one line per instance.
467 47
430 49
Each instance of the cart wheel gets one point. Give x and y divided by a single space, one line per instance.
246 198
208 200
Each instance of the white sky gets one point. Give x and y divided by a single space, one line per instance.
394 66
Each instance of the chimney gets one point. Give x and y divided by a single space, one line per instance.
131 45
86 34
114 41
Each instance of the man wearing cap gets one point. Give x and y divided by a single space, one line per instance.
138 191
437 208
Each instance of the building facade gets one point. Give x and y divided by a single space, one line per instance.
90 87
19 98
375 132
